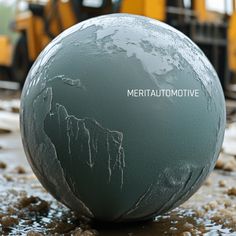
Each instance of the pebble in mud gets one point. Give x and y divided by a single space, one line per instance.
219 164
3 165
4 131
8 177
226 162
186 233
33 204
222 183
88 131
19 170
211 205
8 221
232 191
208 182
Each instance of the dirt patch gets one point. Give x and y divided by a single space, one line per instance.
27 209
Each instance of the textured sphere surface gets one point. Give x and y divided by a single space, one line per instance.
111 156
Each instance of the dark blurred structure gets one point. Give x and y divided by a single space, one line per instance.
214 32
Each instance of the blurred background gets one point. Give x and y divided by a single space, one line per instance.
27 26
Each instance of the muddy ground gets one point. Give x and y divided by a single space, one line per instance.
27 209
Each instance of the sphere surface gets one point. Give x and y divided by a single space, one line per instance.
105 152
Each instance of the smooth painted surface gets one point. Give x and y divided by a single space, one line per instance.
110 156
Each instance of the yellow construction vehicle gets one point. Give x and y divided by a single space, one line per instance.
231 85
5 56
39 23
215 33
6 38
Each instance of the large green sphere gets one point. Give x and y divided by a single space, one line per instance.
97 130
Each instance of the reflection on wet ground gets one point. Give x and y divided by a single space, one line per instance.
180 222
27 209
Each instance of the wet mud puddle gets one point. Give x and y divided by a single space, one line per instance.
27 209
